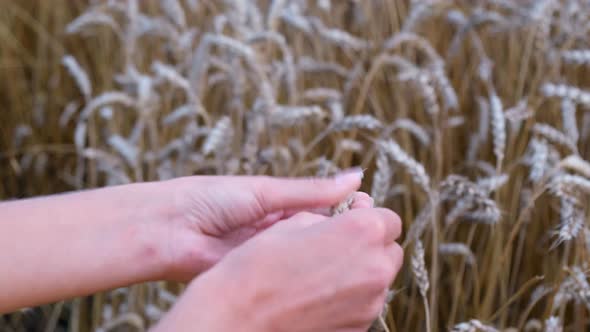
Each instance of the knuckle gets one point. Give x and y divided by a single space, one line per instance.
363 200
366 226
379 276
371 310
356 224
385 275
396 258
393 220
397 226
379 229
362 196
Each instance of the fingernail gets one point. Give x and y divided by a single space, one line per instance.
350 174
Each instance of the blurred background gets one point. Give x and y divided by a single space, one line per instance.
470 118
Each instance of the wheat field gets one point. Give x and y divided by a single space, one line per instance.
471 119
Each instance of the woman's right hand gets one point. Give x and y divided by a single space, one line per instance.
306 273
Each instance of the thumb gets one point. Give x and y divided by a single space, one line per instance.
283 193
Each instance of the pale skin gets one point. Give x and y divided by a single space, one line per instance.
260 253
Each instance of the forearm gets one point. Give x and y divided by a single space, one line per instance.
76 244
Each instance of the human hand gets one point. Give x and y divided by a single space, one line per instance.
101 239
307 273
207 217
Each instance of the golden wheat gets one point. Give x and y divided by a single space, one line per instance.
470 117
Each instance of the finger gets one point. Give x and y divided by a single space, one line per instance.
285 194
380 223
396 256
301 220
361 200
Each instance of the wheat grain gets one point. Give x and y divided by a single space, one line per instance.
274 12
425 85
566 182
572 220
473 202
91 18
566 91
351 145
68 113
416 41
340 37
498 124
367 122
317 95
174 11
21 132
492 183
574 287
457 249
79 75
570 123
80 135
397 154
413 128
381 179
289 116
519 112
419 10
441 80
296 20
555 136
576 57
539 159
106 98
419 268
553 324
459 210
219 136
575 163
171 75
307 64
533 325
180 113
128 151
481 135
343 206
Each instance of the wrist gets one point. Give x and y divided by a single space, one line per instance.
181 250
140 214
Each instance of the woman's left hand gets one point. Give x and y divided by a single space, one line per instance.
207 216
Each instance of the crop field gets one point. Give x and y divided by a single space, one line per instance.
471 119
